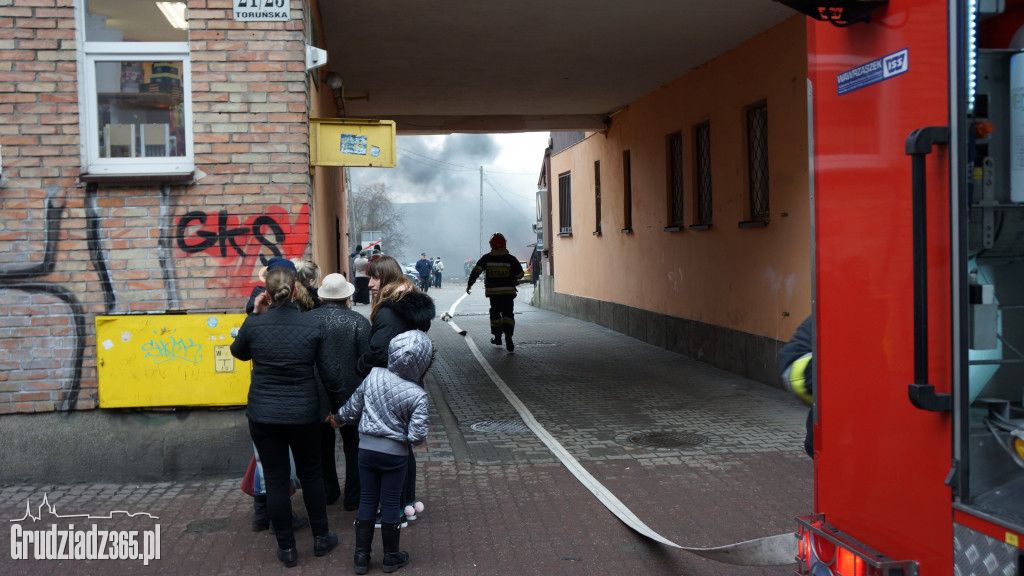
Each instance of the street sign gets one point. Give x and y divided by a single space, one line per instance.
261 11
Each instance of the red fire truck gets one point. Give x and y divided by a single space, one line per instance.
917 111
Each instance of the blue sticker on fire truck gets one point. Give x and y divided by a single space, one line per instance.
873 72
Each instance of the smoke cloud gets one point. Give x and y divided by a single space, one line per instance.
437 184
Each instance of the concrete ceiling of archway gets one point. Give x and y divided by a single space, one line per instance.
438 67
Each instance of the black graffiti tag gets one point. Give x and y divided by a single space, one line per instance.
224 236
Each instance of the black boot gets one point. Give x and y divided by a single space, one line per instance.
496 339
390 535
297 522
364 539
260 521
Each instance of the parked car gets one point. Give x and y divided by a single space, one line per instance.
410 272
527 273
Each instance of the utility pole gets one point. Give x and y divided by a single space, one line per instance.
480 244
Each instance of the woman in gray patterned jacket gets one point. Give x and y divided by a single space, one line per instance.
392 413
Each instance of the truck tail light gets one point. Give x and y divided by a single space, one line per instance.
824 550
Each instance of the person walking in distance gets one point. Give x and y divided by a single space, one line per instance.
438 270
423 269
503 272
362 281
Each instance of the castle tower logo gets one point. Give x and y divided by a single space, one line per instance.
92 543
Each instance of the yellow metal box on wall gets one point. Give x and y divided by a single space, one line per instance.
145 360
342 142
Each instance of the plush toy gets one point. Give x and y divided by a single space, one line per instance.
413 509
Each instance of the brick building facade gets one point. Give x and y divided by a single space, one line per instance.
182 219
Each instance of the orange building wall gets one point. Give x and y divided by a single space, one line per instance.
742 279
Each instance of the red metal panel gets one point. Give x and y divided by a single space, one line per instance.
881 462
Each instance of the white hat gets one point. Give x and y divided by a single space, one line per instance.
335 287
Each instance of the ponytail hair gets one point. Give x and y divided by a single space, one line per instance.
306 272
280 285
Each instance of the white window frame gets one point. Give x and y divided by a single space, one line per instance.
89 53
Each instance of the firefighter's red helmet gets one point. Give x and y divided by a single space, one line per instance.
497 241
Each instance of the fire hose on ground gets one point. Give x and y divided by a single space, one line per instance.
775 550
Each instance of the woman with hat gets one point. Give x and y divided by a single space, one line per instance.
347 336
283 408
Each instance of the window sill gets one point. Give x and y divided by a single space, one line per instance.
626 230
754 224
700 227
565 234
673 228
138 179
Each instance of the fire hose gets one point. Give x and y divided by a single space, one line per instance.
775 550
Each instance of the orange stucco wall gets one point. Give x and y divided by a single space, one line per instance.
755 280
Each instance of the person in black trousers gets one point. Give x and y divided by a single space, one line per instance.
284 405
503 272
347 336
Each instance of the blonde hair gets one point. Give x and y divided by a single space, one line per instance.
393 283
280 285
307 274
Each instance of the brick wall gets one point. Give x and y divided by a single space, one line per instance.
70 251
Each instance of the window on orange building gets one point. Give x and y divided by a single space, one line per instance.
702 166
564 204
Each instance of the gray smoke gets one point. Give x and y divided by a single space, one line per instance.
437 183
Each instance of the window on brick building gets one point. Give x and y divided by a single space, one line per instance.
135 88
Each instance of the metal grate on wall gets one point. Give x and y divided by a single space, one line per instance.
675 159
757 148
703 149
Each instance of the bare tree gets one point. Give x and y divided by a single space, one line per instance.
371 208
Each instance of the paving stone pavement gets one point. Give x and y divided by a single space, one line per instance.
704 457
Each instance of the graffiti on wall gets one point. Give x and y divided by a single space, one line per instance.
24 277
239 247
242 247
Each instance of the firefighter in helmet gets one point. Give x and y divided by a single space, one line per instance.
503 272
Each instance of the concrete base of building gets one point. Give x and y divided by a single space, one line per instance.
118 446
749 355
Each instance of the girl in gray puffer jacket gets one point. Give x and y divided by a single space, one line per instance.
392 413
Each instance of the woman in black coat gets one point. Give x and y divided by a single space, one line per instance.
284 405
398 306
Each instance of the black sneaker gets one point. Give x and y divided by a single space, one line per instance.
325 544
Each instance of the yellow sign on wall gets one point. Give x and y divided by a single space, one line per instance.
147 360
343 142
